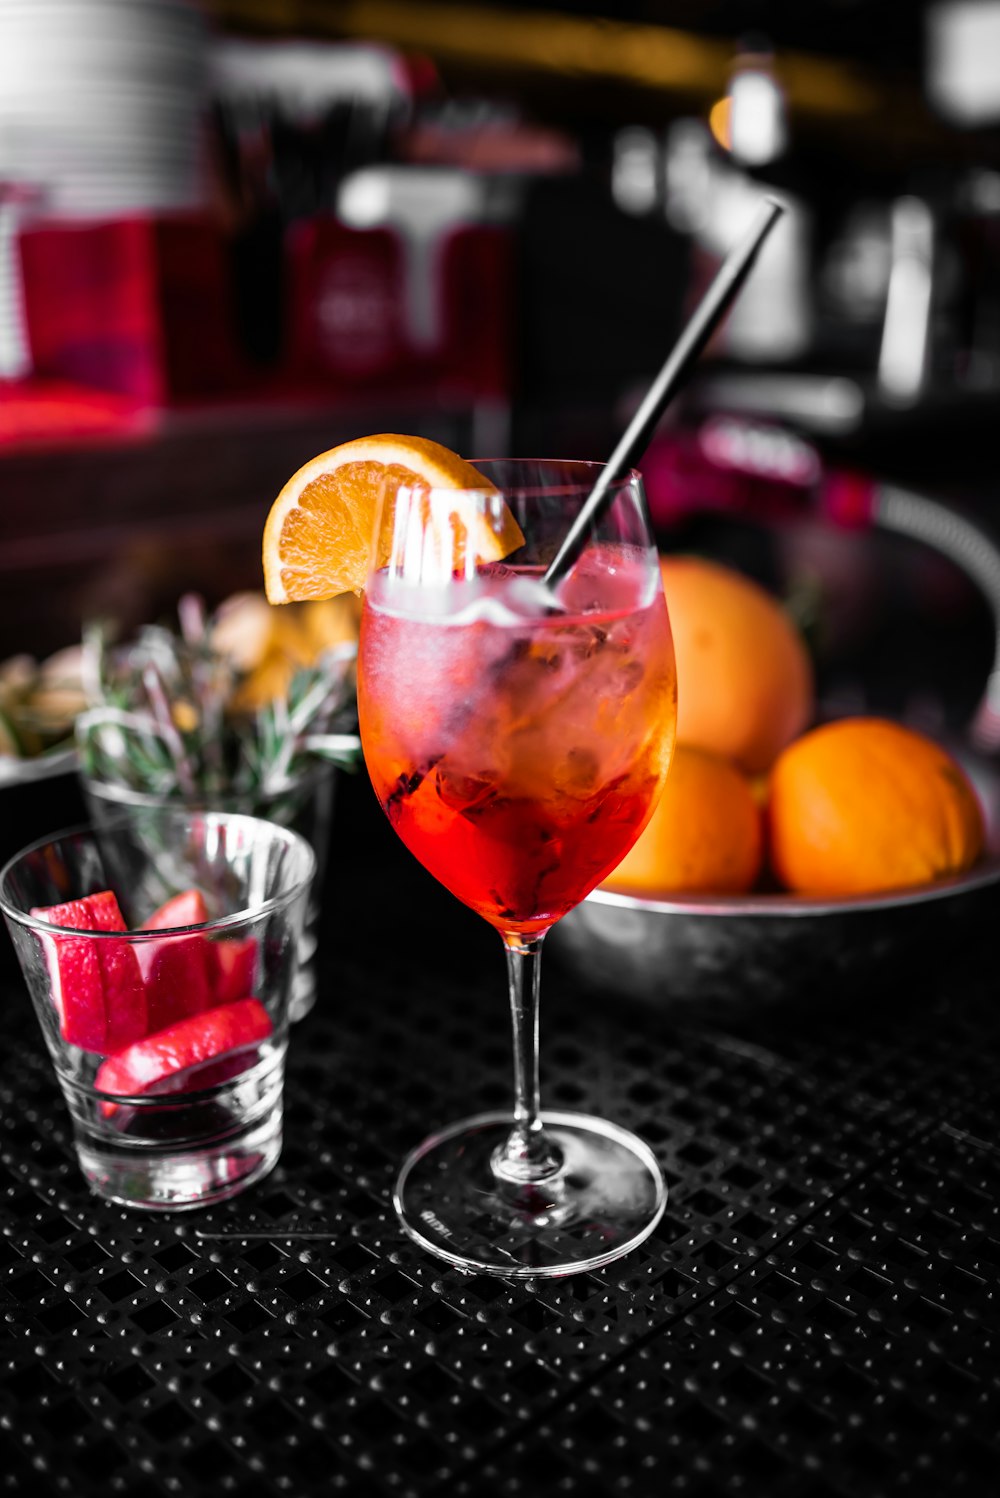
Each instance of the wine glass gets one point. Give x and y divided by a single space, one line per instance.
517 739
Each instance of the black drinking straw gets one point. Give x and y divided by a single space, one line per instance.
710 311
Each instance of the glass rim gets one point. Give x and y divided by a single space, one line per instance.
91 830
563 489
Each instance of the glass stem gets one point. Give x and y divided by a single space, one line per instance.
528 1155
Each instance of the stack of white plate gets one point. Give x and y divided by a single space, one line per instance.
101 103
304 80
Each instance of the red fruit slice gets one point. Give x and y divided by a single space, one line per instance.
77 990
178 972
125 1000
125 1005
186 909
235 968
92 913
75 975
174 1060
97 987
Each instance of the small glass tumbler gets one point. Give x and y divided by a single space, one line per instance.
169 1036
304 804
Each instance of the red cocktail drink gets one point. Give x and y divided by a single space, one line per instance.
518 752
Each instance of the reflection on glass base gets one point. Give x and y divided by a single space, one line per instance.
607 1196
184 1178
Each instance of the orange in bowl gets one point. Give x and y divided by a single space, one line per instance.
705 835
744 677
864 805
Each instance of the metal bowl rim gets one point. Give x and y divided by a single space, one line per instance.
985 873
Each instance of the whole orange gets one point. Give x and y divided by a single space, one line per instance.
744 677
704 835
863 805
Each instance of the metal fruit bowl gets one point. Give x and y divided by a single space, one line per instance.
774 948
782 947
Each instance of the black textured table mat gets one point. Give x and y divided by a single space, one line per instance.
816 1314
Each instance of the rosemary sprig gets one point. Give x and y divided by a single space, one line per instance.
161 717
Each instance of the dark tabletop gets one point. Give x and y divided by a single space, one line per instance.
816 1314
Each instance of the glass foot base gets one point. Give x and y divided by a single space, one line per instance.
606 1197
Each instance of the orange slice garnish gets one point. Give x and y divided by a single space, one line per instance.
319 534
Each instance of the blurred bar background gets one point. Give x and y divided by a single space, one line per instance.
236 233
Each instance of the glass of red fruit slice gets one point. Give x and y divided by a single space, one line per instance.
303 801
161 953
